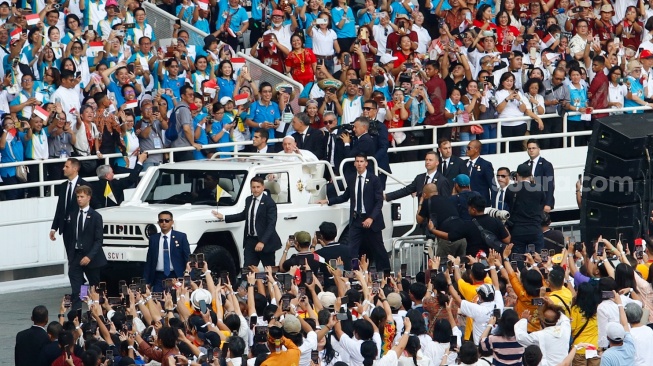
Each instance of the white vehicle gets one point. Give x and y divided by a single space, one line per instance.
187 189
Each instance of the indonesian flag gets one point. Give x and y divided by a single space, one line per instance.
41 113
238 63
96 47
210 91
548 40
210 87
241 99
131 104
108 194
317 258
463 26
32 19
204 4
15 34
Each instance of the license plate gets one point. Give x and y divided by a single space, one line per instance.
116 256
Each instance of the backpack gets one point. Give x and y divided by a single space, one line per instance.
171 133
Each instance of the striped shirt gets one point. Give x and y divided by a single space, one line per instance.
507 351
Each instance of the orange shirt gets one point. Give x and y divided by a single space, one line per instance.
524 303
290 357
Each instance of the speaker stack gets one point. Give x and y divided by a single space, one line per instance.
617 181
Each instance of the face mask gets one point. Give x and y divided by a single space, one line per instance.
276 25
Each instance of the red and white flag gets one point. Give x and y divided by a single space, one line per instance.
204 4
210 91
32 19
317 258
41 113
15 34
131 104
241 99
548 40
96 47
238 63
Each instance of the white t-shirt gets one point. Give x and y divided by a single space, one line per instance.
380 34
323 43
643 337
283 35
617 93
423 38
481 313
607 312
511 109
309 344
69 99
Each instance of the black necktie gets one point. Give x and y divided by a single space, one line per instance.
426 181
444 168
500 204
471 165
166 256
80 228
359 196
251 217
69 196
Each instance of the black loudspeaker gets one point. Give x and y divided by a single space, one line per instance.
613 190
601 214
604 164
623 135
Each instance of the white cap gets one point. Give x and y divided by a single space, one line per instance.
224 100
200 294
387 58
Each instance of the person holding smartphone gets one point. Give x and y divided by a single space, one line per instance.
150 132
302 243
167 254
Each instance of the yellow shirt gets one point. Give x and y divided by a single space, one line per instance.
591 332
563 294
469 293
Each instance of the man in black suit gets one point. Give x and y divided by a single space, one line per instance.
526 213
83 241
308 138
260 215
366 217
370 110
260 143
334 147
542 172
67 202
109 192
29 342
499 195
167 253
450 166
432 175
331 249
480 171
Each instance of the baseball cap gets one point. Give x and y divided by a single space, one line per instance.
111 3
277 13
486 289
646 54
5 2
523 170
291 324
615 332
462 180
607 8
386 59
585 4
394 300
327 299
225 100
303 237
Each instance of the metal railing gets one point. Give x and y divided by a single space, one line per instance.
163 25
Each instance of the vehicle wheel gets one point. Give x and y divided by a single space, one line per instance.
218 259
344 237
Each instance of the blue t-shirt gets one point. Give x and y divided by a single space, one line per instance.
259 113
452 108
368 18
310 18
12 155
622 355
397 7
187 15
238 16
577 98
117 92
636 89
173 84
203 139
349 28
40 138
216 127
227 87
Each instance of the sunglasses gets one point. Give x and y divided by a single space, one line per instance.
367 108
161 221
329 122
501 176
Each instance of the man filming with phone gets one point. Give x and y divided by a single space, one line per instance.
301 241
167 254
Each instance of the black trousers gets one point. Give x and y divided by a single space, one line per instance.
551 125
252 258
575 126
369 242
76 274
514 131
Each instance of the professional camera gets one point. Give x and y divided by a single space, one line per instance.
347 128
502 215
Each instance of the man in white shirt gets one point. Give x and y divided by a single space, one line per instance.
553 339
608 311
642 335
68 97
292 153
489 299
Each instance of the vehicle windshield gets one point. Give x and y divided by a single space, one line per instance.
172 186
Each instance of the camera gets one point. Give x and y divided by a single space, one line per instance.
502 215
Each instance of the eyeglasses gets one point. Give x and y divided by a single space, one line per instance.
161 221
502 176
27 80
368 108
77 48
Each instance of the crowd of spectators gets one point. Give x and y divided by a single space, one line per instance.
91 78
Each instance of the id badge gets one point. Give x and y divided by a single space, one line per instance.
157 143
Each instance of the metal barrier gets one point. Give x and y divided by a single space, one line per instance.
163 25
409 250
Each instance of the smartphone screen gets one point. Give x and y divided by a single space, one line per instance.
203 306
601 249
187 281
285 304
315 356
341 316
355 264
121 283
193 260
453 342
344 300
404 268
496 313
224 276
253 320
309 277
333 263
200 260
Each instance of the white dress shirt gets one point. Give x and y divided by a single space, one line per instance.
80 229
159 261
253 219
68 189
364 175
534 165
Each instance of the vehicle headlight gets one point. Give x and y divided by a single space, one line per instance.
150 230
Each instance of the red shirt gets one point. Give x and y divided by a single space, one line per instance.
393 40
598 93
502 32
605 33
61 360
402 57
629 37
301 65
272 60
437 90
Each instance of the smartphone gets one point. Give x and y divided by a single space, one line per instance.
333 263
309 277
319 21
193 260
83 292
79 315
178 21
115 301
606 295
355 264
538 301
287 282
320 277
109 355
285 304
200 260
315 356
453 342
209 355
513 264
134 288
531 248
302 291
121 283
224 276
341 316
187 281
376 288
639 252
203 306
409 65
125 291
496 313
533 52
344 300
130 68
291 239
260 275
261 329
346 60
544 254
253 320
601 249
129 323
518 257
404 268
102 287
386 273
129 25
155 109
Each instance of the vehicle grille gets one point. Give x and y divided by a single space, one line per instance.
123 232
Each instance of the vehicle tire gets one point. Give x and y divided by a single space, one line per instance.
344 237
219 259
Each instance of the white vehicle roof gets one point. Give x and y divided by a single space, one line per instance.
230 163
